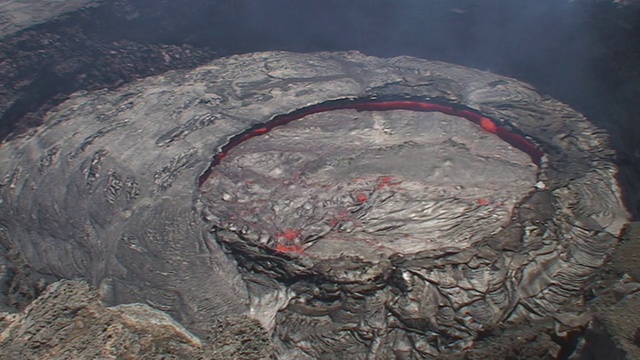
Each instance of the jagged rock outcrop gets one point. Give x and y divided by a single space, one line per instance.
69 322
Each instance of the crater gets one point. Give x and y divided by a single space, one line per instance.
370 179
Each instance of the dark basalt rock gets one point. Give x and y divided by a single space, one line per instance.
373 234
51 49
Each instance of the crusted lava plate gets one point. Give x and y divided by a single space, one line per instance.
376 208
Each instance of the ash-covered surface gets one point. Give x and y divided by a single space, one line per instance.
108 190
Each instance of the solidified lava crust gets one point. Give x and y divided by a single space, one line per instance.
364 202
373 228
485 122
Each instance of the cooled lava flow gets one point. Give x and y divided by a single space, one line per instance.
516 140
379 227
393 175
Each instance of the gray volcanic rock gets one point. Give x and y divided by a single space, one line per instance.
378 234
16 15
69 322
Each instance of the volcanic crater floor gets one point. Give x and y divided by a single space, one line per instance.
391 181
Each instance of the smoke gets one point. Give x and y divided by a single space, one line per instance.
535 39
550 43
582 52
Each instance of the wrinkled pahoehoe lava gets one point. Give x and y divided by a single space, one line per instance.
344 201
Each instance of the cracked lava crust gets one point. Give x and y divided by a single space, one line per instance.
357 207
369 183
